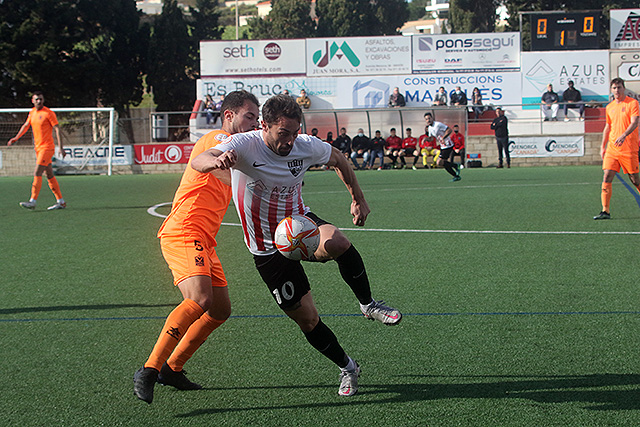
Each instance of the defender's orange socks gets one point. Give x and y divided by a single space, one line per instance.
36 186
174 328
55 188
196 336
606 195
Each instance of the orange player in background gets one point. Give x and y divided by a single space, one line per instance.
44 125
187 239
620 142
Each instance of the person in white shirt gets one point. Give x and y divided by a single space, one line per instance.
441 133
267 168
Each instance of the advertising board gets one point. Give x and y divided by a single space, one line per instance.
358 55
155 154
251 57
624 29
465 53
589 73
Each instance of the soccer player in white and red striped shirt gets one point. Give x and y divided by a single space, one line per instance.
267 169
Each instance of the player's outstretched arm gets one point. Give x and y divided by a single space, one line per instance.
213 159
359 207
21 132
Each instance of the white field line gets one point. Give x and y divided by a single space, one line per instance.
152 211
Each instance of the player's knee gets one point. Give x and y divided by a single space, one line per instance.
336 245
220 312
308 324
204 301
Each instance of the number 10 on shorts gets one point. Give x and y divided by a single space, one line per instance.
286 291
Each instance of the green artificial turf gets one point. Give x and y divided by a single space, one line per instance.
519 308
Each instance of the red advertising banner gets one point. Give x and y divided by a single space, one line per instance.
155 154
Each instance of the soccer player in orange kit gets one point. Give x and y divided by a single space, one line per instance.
187 239
44 125
620 143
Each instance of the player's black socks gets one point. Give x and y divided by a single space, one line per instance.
450 168
324 340
353 272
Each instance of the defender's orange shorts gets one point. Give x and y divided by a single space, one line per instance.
44 157
628 162
189 256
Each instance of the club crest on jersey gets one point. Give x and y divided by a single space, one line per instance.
223 137
295 167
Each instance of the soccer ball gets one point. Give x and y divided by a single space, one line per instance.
297 237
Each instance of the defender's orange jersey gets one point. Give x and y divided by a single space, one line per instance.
42 123
619 116
201 199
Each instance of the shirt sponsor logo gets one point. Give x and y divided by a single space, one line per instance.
295 167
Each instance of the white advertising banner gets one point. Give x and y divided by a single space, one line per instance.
251 57
626 65
94 155
625 29
358 55
464 53
558 146
321 91
328 93
419 90
589 72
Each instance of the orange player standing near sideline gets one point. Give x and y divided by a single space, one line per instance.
44 125
620 142
187 239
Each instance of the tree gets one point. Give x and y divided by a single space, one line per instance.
473 16
288 19
171 68
205 23
390 15
417 9
343 18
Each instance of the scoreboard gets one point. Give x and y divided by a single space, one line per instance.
565 31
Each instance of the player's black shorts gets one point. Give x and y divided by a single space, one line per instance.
315 218
285 278
445 153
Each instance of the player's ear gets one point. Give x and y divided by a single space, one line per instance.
228 115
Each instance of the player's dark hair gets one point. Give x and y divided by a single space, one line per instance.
392 130
37 93
280 106
617 80
235 100
428 113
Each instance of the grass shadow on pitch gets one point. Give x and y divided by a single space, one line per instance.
593 391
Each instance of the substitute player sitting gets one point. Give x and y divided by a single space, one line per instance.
619 143
44 125
187 239
268 168
428 147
